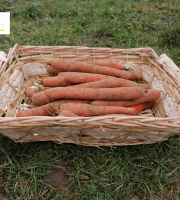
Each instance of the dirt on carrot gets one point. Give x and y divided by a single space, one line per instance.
107 63
111 83
150 95
120 93
51 109
70 78
66 65
87 110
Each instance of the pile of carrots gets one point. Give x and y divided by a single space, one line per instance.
90 88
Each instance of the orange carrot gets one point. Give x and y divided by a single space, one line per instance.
68 73
48 109
110 83
67 113
32 91
72 78
80 108
66 65
107 63
54 81
39 111
51 71
87 110
122 93
140 107
150 95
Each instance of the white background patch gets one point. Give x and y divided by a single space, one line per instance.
4 23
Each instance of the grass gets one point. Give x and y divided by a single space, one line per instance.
128 173
137 172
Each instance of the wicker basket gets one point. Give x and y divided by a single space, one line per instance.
26 67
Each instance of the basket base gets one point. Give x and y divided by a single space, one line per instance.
85 141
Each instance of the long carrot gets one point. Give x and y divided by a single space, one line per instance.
70 78
110 83
81 108
48 109
122 93
150 95
66 65
87 110
104 83
107 63
142 106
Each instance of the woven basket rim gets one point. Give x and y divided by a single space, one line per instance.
17 47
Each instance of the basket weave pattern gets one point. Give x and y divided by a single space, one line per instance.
26 67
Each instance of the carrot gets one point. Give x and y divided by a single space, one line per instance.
140 107
110 83
72 78
150 95
122 93
107 63
32 91
68 73
48 109
80 108
54 81
39 111
51 71
87 110
66 65
104 83
67 113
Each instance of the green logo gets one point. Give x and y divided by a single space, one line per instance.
2 27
